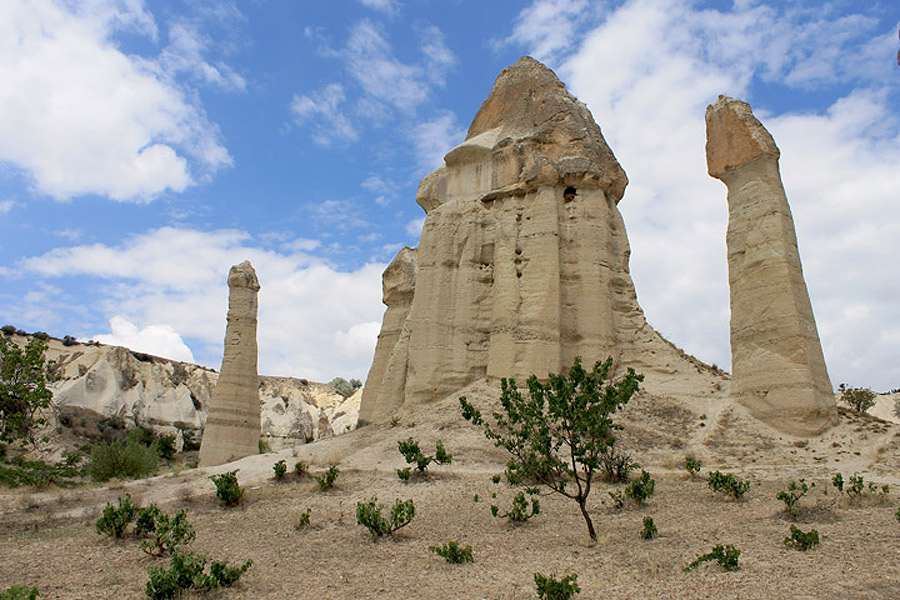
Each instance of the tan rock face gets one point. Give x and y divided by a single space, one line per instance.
233 426
778 367
523 260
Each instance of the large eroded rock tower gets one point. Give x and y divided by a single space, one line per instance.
778 368
523 259
232 428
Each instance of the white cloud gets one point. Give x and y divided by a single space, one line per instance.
6 206
304 303
80 117
435 138
323 108
549 27
158 340
661 64
185 54
389 7
414 228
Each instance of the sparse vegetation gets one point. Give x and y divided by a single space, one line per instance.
725 556
187 573
326 480
649 531
280 468
114 520
550 588
641 488
369 515
792 495
800 540
728 484
345 388
167 533
404 473
18 592
121 460
692 466
301 468
858 399
452 552
24 374
616 464
20 472
303 519
264 447
521 509
556 435
228 490
414 456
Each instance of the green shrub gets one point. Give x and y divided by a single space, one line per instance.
18 592
301 468
618 499
145 523
280 469
303 519
692 465
24 375
404 473
838 482
521 510
550 588
345 388
115 519
792 495
327 479
187 572
228 490
188 443
858 399
728 484
641 489
168 534
122 460
140 435
264 447
164 446
557 434
801 541
615 464
369 515
37 473
726 556
414 455
649 530
453 552
441 456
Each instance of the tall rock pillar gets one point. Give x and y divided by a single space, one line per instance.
232 428
778 368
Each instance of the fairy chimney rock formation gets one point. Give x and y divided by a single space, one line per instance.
778 368
523 259
232 428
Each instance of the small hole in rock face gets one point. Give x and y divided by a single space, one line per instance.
569 194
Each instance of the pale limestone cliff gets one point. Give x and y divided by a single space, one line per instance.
233 426
778 367
523 259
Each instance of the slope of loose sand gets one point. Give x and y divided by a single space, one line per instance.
47 538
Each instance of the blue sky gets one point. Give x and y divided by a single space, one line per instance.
146 146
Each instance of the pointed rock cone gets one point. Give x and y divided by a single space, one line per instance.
778 368
232 427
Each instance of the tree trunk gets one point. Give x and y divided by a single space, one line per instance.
587 519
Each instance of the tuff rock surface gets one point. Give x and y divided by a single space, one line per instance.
232 428
523 260
778 367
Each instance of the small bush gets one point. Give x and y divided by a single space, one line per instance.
264 447
18 592
404 473
521 509
228 491
303 519
801 541
792 495
728 484
115 519
122 460
168 534
453 552
327 479
145 523
188 443
692 466
726 556
369 515
838 482
301 468
550 588
618 499
441 456
649 530
858 399
641 489
280 468
164 446
187 572
414 455
616 465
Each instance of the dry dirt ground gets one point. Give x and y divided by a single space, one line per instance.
47 538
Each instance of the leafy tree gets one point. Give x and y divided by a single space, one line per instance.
557 434
858 399
24 376
345 388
